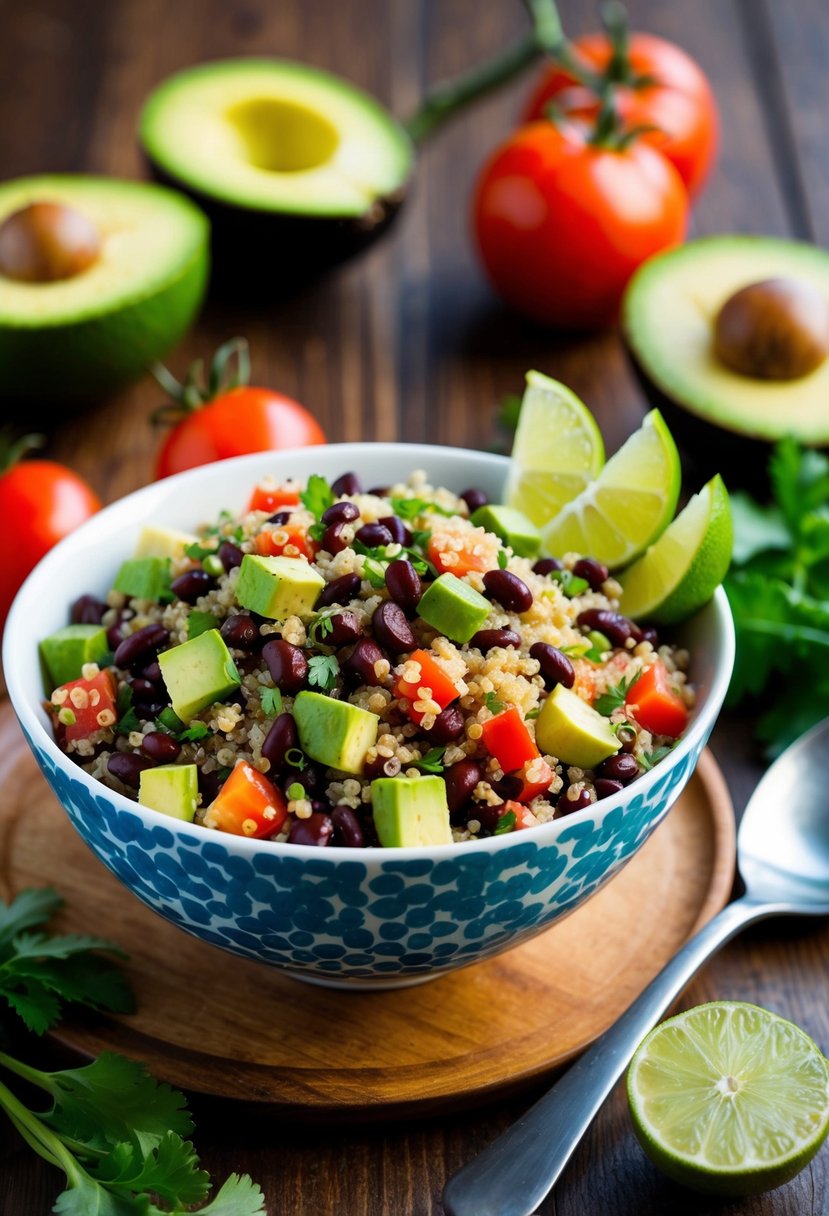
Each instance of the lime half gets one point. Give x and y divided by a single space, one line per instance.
729 1098
630 503
557 451
683 568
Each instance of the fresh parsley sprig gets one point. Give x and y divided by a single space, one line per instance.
323 670
118 1135
616 696
412 508
432 762
317 496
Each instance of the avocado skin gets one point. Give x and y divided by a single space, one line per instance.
72 366
265 256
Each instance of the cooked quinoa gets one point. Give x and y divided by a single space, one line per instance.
417 735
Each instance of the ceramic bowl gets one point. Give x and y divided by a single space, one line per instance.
337 916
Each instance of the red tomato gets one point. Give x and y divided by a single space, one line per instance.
447 559
673 96
90 702
248 804
40 503
561 224
654 704
524 818
433 677
241 421
536 778
289 540
507 738
269 498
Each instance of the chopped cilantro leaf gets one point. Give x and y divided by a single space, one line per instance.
505 824
649 759
317 496
421 538
317 531
124 699
200 622
616 696
432 761
199 730
492 703
323 670
271 701
411 508
199 551
128 723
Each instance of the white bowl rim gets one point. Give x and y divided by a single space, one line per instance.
543 835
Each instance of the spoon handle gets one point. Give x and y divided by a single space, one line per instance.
513 1174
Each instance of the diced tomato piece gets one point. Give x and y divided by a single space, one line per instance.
270 498
524 818
433 677
537 777
288 540
507 738
655 705
248 804
92 702
448 560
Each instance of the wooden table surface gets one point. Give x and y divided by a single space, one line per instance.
408 342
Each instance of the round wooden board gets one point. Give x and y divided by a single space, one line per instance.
210 1022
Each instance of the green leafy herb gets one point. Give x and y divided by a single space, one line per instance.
197 551
377 553
492 703
271 701
649 759
128 723
778 588
421 538
317 531
503 559
296 758
505 824
432 761
200 622
123 700
317 496
323 670
616 696
374 573
569 582
199 730
321 627
117 1134
412 508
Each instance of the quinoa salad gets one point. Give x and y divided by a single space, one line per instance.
383 668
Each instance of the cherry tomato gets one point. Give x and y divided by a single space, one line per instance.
286 540
561 224
442 689
448 558
248 804
661 86
271 498
90 704
40 503
655 705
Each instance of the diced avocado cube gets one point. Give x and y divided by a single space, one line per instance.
334 733
143 578
163 542
453 608
172 789
278 587
65 652
410 811
574 731
197 673
512 526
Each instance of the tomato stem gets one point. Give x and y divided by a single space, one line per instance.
13 447
446 98
615 21
229 369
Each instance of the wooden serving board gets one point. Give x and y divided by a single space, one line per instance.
210 1022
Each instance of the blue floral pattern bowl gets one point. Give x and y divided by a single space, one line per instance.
342 917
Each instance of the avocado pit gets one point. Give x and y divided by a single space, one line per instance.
777 329
46 242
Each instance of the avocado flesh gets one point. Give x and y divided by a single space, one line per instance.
410 811
84 337
668 317
335 733
198 673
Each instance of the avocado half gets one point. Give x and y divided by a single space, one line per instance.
296 168
79 339
668 315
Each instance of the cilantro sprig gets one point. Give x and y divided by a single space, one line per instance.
323 670
616 696
432 762
412 508
118 1135
317 496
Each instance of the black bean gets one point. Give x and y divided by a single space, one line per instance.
460 780
160 747
509 590
209 785
347 483
379 491
358 668
87 610
340 513
116 632
311 778
621 767
474 498
280 518
391 629
448 725
339 591
594 572
148 711
191 585
317 829
404 585
547 565
152 672
487 639
128 767
400 534
140 647
145 691
373 535
566 805
508 787
230 555
555 667
333 541
381 766
287 664
345 628
650 634
280 739
606 786
486 815
348 830
616 628
240 631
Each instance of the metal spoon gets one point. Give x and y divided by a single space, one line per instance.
783 856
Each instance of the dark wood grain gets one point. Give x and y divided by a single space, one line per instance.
409 342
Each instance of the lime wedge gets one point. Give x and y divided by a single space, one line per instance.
729 1098
557 451
683 568
630 503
